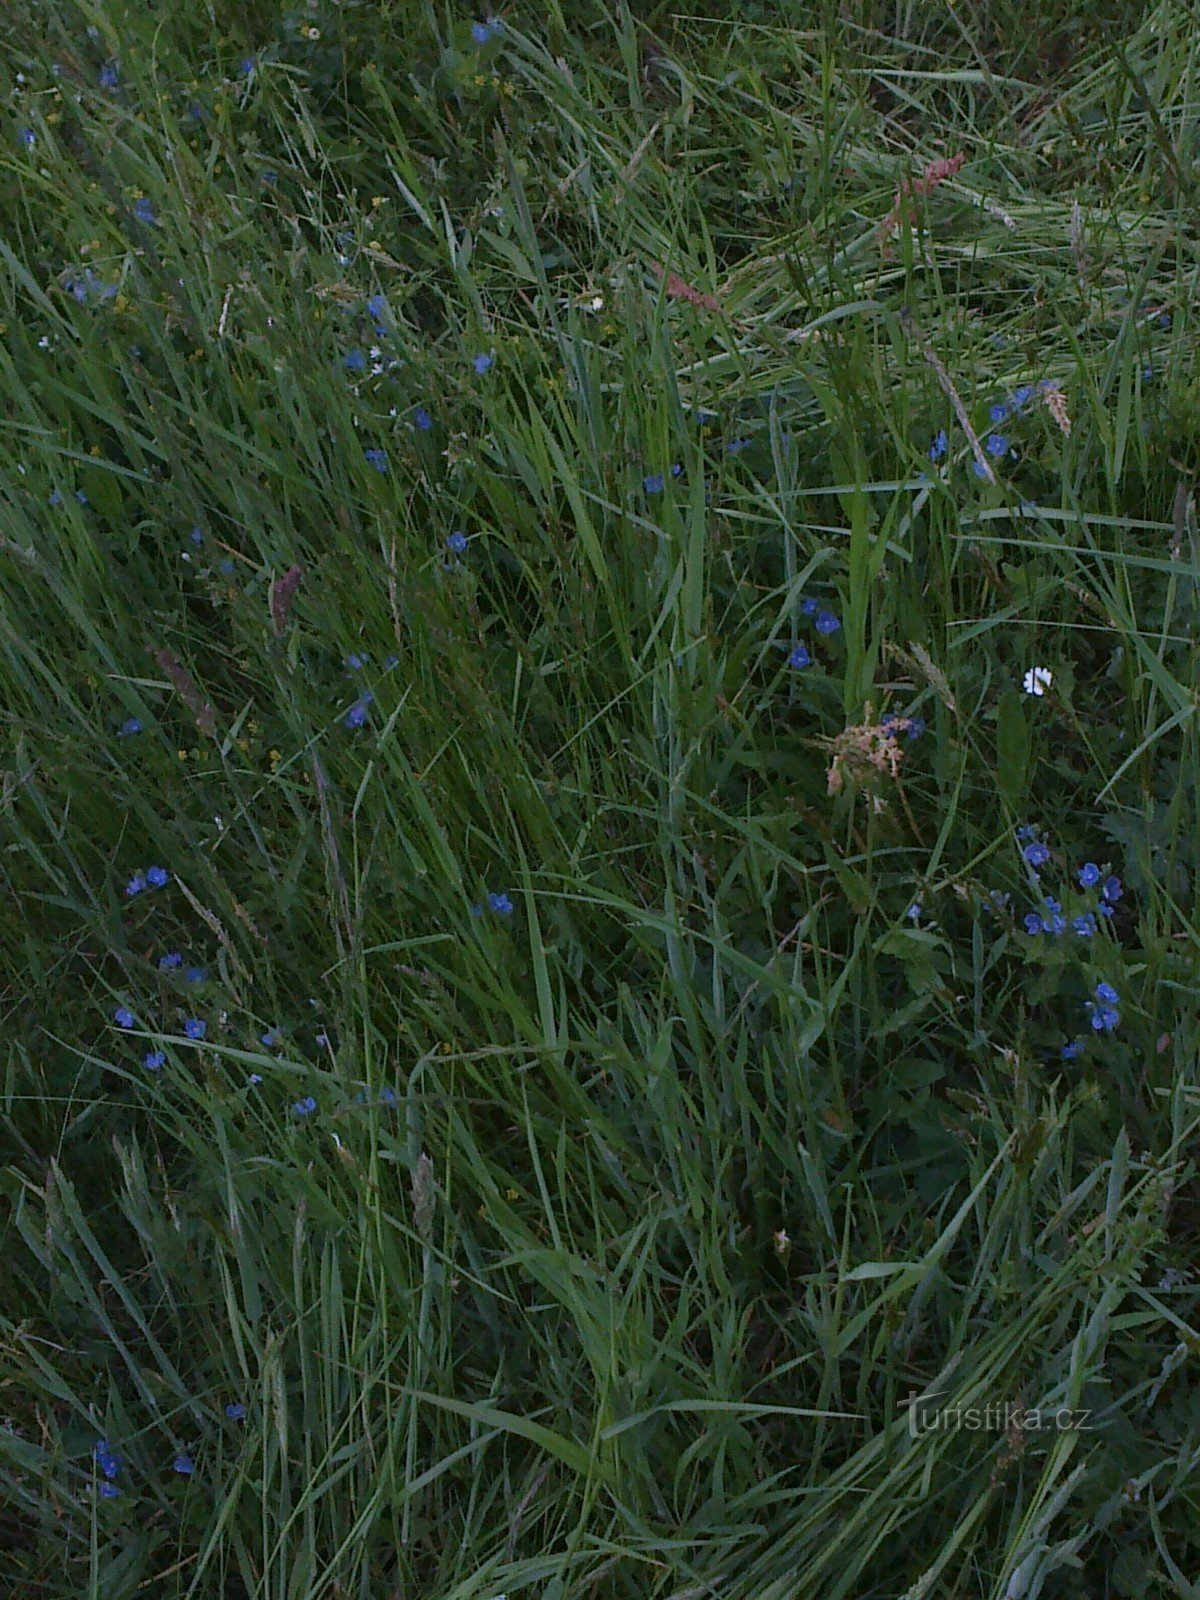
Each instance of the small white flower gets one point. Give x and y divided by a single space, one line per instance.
782 1242
1037 680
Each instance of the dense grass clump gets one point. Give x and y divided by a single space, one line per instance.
598 801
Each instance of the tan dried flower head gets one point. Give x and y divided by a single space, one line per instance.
1056 405
865 751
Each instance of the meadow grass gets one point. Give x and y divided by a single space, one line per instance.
599 811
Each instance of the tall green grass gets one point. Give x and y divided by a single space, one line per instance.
689 1094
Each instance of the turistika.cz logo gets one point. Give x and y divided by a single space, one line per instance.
925 1415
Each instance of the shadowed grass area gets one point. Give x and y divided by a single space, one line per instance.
598 803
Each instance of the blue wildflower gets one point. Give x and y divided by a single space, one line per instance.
27 137
1103 1018
195 1027
155 1060
1055 923
377 306
124 1018
144 212
979 468
235 1411
654 483
271 1038
500 904
677 469
916 727
1085 925
246 65
377 459
998 412
183 1464
157 877
109 1491
1102 1011
170 961
826 622
1112 889
809 607
939 446
997 444
1033 923
322 1040
457 543
481 32
106 1459
736 446
358 712
305 1107
81 497
799 657
129 727
390 662
387 1096
1072 1048
914 912
482 363
195 975
196 537
56 494
1104 909
356 662
254 1079
355 361
1036 853
110 75
136 884
1022 396
225 567
422 419
1089 874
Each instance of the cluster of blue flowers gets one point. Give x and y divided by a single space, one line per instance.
911 727
110 1465
656 482
152 878
87 284
1102 1008
499 903
1051 920
996 444
173 961
824 621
